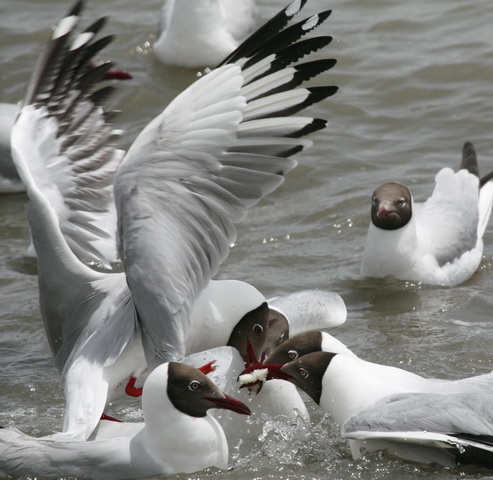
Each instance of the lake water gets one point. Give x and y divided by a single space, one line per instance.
415 83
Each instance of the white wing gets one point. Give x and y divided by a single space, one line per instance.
451 215
311 310
195 170
74 141
460 425
441 413
63 147
485 206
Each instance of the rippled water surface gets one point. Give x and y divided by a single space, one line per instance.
416 81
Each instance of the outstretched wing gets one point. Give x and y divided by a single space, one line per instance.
74 141
63 145
195 170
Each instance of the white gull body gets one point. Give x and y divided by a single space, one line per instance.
344 386
277 400
200 33
175 399
193 172
442 244
431 428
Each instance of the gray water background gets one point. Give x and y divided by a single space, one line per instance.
416 81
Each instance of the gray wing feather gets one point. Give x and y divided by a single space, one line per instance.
458 413
196 169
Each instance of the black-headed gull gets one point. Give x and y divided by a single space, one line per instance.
344 386
309 342
437 242
430 428
193 172
177 435
200 33
278 400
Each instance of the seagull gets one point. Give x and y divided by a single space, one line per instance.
177 435
345 386
429 428
192 173
277 401
299 311
438 242
317 341
200 33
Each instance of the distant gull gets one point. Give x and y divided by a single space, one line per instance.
192 173
437 242
178 435
200 33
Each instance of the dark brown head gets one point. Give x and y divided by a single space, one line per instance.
307 372
290 350
193 393
277 332
391 206
250 333
296 347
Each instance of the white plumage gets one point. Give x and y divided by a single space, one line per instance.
442 242
192 173
431 428
135 450
344 386
200 33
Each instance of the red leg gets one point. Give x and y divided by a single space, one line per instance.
208 367
111 419
131 390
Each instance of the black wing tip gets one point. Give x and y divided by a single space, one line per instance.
76 8
96 26
264 33
469 160
315 125
320 93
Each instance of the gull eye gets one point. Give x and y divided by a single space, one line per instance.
292 354
304 373
374 201
258 329
401 202
194 385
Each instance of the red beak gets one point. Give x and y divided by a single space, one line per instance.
382 212
274 372
118 75
230 403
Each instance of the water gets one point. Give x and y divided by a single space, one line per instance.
415 82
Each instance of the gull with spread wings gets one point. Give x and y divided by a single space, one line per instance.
192 173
